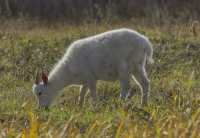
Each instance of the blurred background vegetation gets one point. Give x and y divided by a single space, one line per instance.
87 10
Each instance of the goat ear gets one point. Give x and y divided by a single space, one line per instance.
37 79
44 77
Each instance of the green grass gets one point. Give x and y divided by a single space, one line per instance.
174 107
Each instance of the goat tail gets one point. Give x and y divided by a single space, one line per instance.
149 52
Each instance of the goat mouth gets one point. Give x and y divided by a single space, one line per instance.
44 107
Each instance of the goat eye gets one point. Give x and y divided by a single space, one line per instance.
40 93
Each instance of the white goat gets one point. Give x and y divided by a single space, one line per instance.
114 55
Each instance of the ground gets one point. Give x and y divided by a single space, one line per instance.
174 106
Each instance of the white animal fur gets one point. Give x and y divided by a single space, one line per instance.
113 55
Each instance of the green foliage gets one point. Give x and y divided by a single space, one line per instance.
173 110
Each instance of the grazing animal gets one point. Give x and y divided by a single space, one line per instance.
114 55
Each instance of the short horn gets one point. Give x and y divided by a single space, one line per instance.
37 79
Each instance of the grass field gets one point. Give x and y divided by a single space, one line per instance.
173 111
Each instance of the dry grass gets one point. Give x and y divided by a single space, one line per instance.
175 99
